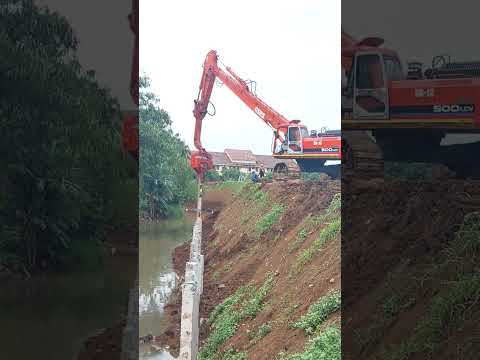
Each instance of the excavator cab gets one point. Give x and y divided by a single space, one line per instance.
367 84
289 139
294 140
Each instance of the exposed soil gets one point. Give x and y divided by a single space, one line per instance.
106 345
234 256
395 235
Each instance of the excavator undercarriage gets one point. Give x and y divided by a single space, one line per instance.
361 155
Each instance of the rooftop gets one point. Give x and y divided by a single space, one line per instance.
246 158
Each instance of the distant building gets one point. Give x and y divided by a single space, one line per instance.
244 160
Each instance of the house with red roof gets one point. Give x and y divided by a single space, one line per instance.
244 160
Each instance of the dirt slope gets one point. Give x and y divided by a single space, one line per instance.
410 269
273 238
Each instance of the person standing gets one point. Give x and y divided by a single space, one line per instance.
262 172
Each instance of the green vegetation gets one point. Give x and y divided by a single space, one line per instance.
259 333
392 305
235 186
455 303
408 171
446 311
166 178
246 302
314 176
64 175
324 346
257 201
313 222
253 192
212 175
329 232
233 174
232 354
319 312
266 222
228 174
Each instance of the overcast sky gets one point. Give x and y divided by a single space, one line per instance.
291 48
105 40
418 30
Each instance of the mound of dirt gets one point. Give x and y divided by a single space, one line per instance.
397 239
254 235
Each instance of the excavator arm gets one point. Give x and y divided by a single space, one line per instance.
201 160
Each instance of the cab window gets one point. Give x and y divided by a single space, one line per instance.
294 134
393 68
369 72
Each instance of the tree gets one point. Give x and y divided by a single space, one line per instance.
166 178
231 173
212 175
60 141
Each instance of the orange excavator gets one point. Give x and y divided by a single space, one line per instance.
130 123
408 113
291 139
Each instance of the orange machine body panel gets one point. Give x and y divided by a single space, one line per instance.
325 146
435 99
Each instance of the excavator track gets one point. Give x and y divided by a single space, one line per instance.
286 171
361 155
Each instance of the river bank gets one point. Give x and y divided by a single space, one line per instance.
266 238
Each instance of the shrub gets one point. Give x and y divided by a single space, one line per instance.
319 312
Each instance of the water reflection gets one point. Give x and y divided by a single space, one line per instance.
157 278
52 315
157 296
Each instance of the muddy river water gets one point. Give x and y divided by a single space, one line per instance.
50 316
157 278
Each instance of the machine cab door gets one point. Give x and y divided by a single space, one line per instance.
294 140
370 87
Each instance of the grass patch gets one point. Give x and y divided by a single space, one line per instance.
216 275
257 201
253 306
262 331
232 354
302 235
408 171
329 232
246 302
235 186
325 346
467 239
446 311
456 302
227 268
313 222
266 222
252 191
319 312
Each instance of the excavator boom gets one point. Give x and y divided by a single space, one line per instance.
245 91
